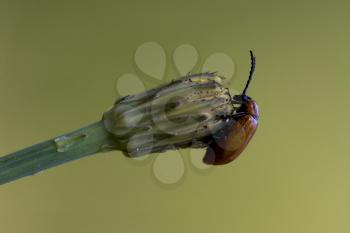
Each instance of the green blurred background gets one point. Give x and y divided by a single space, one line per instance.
58 65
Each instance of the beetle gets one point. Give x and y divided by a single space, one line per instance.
239 129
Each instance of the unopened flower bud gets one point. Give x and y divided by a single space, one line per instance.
181 114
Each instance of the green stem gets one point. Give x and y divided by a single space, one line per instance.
85 141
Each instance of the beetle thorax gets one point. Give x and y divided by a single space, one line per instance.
253 109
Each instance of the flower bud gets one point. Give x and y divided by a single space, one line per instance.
184 113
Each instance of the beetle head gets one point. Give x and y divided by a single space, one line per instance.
246 104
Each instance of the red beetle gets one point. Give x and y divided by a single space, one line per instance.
241 126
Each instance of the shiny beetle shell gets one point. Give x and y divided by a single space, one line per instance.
235 138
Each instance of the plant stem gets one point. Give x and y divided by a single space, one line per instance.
85 141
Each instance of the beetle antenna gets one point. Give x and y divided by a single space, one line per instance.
252 69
